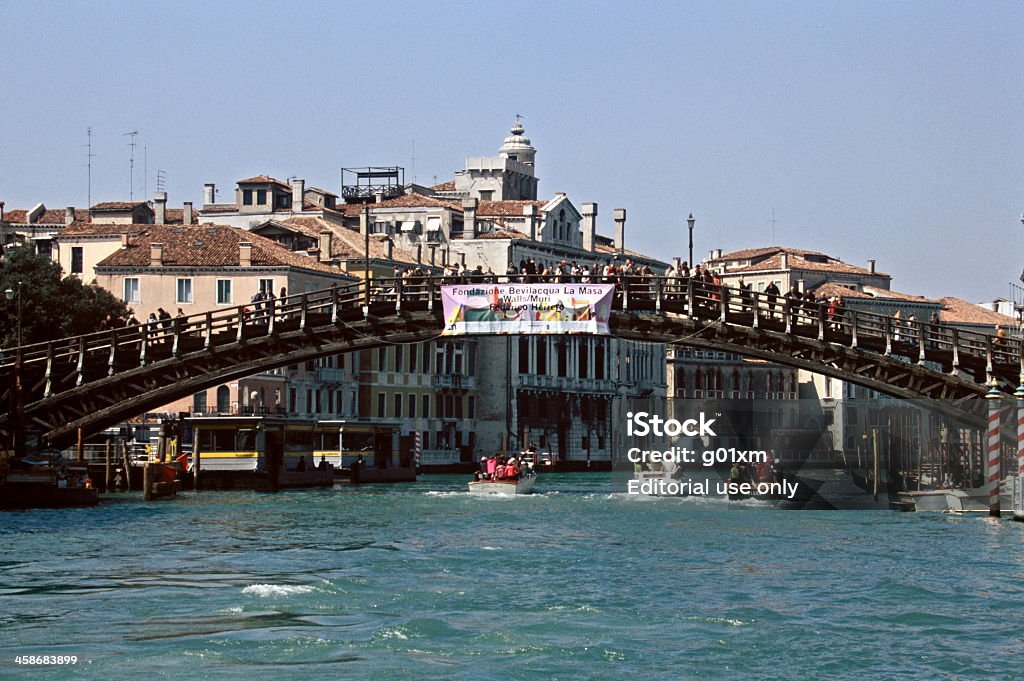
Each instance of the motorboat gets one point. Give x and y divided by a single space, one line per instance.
522 485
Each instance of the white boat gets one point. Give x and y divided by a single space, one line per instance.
504 487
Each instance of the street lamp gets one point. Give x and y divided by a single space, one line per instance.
17 422
11 294
689 223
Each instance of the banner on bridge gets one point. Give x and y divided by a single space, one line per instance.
527 308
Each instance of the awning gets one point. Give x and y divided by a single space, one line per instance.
433 224
408 225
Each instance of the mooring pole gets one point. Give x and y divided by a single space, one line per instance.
1018 489
874 446
107 473
992 472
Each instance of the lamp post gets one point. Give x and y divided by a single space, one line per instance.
17 421
11 294
689 223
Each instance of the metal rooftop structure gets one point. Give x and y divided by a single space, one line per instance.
362 185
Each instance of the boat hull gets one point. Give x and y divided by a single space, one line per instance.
501 487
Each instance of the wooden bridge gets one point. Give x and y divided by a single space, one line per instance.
97 380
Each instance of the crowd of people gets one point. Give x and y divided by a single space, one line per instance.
501 467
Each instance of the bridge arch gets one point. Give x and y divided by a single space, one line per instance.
94 381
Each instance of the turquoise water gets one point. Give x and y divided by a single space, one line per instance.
426 582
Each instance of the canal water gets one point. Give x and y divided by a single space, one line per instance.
423 581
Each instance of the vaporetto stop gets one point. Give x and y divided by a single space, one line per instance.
709 457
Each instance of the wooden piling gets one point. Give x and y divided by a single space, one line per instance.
127 466
196 459
147 481
108 473
874 446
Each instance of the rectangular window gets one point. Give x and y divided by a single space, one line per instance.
426 407
131 289
382 359
458 406
584 358
223 291
380 405
184 290
439 407
472 407
412 406
76 260
267 285
246 197
524 355
412 359
399 354
261 197
542 356
599 360
398 406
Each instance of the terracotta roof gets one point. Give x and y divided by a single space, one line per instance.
403 201
318 190
508 207
49 217
347 244
118 206
504 234
869 293
448 186
100 229
208 245
220 208
175 216
263 179
799 262
957 311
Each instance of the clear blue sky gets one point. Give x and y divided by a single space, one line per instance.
875 130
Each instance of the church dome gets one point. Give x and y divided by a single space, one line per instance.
517 146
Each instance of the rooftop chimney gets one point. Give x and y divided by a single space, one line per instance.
34 214
364 220
469 216
245 254
209 194
156 252
325 246
619 215
125 239
718 253
871 266
298 192
69 215
160 208
186 213
378 197
784 260
530 211
1 210
589 225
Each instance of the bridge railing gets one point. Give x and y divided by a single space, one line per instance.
697 299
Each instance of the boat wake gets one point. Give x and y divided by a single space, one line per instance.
267 590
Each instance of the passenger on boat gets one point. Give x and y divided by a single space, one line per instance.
492 464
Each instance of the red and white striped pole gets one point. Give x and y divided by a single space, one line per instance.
993 396
1018 488
417 446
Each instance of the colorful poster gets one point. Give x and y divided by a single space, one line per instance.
526 308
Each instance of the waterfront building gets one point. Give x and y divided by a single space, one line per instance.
198 268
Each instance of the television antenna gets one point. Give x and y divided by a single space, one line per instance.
131 165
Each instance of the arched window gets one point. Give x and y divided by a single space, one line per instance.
223 400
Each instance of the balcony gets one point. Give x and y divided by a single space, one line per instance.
453 382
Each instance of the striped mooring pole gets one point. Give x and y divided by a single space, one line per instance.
993 397
1018 485
417 447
